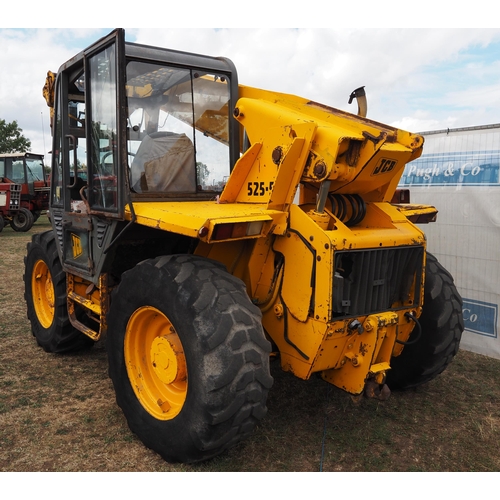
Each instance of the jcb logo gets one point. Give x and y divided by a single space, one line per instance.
384 166
77 246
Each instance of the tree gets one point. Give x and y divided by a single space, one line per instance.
11 138
202 173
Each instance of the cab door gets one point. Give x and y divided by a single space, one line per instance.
89 140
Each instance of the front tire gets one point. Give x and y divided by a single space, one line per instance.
45 295
441 330
23 220
188 357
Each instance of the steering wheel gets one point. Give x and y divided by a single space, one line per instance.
110 153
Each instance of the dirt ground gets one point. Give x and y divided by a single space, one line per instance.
58 412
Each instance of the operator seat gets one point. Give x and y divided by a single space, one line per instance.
164 163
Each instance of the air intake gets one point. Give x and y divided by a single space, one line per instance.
370 281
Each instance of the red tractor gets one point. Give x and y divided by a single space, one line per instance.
26 170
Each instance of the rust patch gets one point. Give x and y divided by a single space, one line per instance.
363 349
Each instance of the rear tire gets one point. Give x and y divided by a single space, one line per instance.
45 295
188 357
23 220
442 326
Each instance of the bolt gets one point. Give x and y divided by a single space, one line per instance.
319 169
277 154
278 310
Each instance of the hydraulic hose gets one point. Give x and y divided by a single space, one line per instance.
419 330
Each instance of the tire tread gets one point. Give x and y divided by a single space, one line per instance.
442 326
224 329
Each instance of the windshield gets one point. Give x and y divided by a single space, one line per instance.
178 129
35 169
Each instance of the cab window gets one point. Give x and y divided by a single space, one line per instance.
178 129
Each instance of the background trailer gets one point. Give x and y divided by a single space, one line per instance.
459 173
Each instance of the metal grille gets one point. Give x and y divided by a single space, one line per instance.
15 196
371 281
102 229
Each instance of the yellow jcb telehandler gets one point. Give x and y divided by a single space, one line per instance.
200 226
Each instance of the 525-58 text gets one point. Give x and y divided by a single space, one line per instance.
259 188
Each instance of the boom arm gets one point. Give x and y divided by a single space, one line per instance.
354 154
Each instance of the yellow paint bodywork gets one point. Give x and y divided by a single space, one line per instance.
300 151
299 319
357 155
189 217
90 298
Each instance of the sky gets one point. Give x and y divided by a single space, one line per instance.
418 79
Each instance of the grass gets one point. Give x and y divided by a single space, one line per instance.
58 412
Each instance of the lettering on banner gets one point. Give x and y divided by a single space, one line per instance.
480 317
453 169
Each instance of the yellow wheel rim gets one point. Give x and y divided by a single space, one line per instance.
156 364
43 293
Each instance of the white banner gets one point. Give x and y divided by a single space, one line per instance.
459 174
